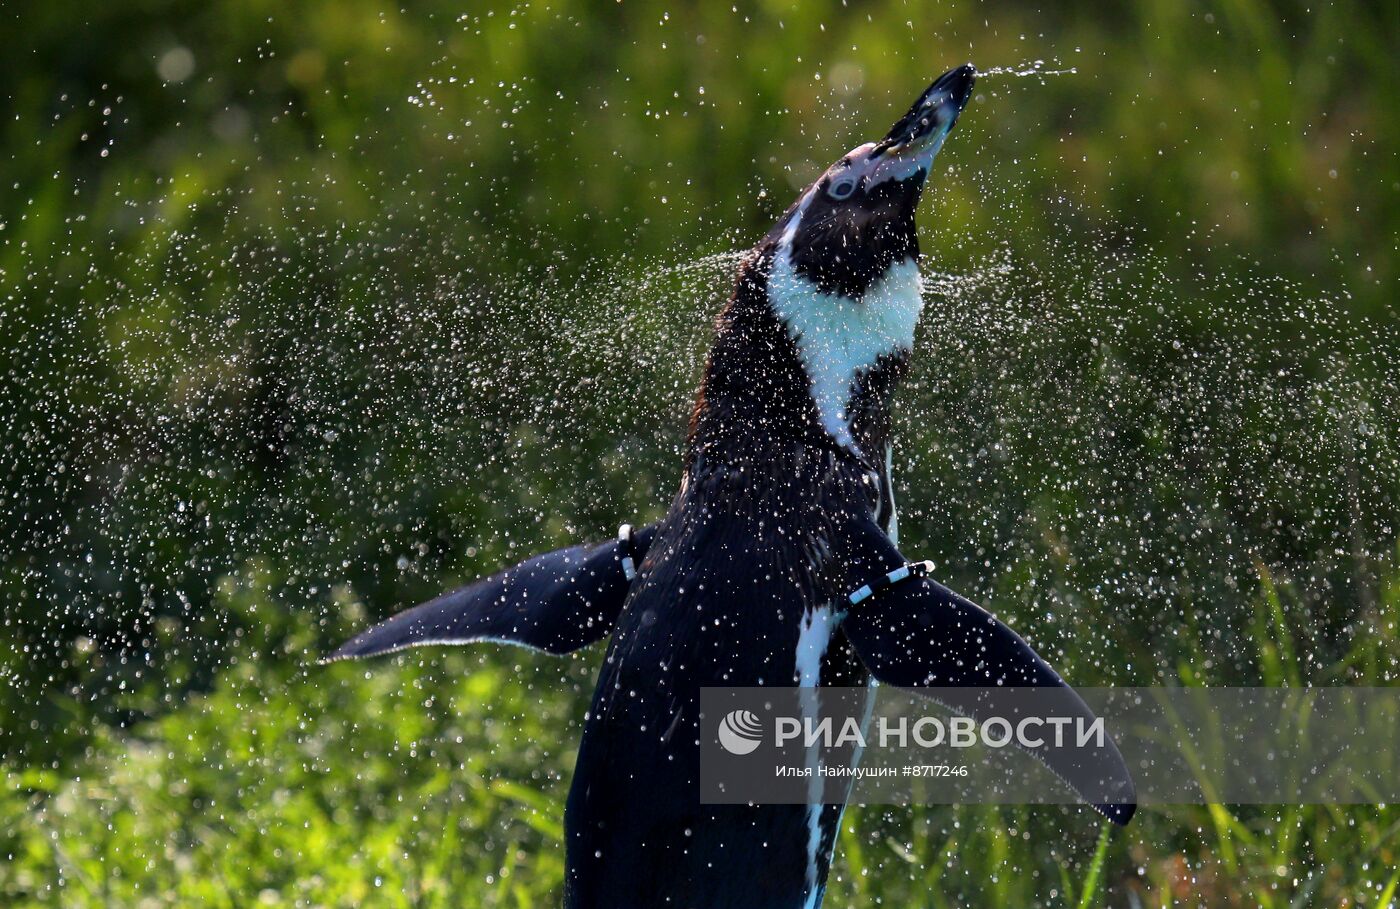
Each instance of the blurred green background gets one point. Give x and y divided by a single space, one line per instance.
312 310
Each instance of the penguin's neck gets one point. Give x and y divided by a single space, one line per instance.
794 364
844 344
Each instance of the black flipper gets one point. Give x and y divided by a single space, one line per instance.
555 602
919 634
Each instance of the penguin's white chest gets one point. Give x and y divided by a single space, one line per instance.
838 339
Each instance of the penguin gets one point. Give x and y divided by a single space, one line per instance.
777 563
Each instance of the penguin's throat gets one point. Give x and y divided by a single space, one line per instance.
840 341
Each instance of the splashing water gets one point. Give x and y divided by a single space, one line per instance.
1052 399
1039 68
1059 398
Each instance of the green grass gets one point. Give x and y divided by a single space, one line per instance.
438 779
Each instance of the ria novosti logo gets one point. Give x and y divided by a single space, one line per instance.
740 732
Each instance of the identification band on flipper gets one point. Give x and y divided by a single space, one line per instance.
626 551
900 574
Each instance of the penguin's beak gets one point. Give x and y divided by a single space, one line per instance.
931 118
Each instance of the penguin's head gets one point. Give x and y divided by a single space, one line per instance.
857 219
821 323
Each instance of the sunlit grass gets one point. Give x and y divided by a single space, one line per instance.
438 779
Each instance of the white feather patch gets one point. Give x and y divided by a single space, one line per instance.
839 338
814 637
889 478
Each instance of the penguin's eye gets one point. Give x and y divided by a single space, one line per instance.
842 189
